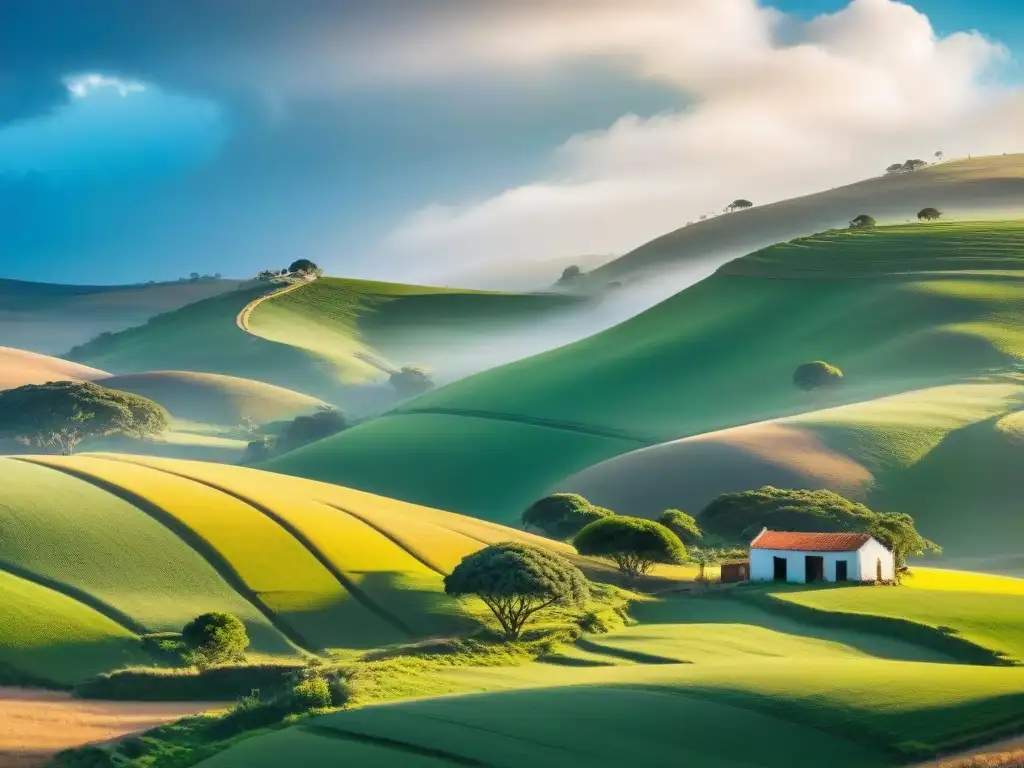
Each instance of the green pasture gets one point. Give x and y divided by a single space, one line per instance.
719 354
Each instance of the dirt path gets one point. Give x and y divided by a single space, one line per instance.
1008 753
242 321
36 724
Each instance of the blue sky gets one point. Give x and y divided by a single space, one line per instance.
147 141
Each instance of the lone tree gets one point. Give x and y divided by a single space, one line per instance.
929 214
633 543
304 267
817 375
562 515
898 532
570 274
517 580
61 414
738 205
914 165
939 155
863 222
682 525
411 380
214 638
894 168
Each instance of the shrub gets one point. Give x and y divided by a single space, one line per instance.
738 517
313 692
411 381
516 581
633 543
862 222
816 375
562 515
682 525
214 638
209 684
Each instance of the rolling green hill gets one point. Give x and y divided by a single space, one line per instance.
51 318
126 545
981 187
318 338
908 307
691 674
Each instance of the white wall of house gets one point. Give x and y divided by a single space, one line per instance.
860 565
869 556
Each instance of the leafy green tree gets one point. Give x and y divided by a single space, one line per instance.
411 381
214 638
898 532
682 525
914 165
929 214
894 168
60 414
633 543
516 581
562 515
863 222
739 517
816 375
304 267
939 155
738 205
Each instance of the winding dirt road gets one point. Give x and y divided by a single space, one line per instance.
242 320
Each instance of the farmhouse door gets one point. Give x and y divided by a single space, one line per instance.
779 565
842 573
815 568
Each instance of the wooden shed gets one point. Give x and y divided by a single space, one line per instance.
735 570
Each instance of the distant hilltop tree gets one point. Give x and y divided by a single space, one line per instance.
411 381
929 214
266 275
570 274
939 155
863 221
738 205
894 168
304 267
906 167
61 414
816 375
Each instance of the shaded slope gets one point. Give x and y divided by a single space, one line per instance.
52 318
717 355
19 367
211 398
962 188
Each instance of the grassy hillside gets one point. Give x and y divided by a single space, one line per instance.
940 307
146 544
975 188
210 398
319 337
19 367
680 685
51 318
948 455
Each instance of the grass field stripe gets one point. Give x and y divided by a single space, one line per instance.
78 595
300 537
564 426
402 746
387 536
192 539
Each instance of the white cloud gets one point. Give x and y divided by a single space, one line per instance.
779 108
81 86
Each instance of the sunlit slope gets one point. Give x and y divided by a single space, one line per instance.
19 367
973 188
111 553
150 543
49 637
211 398
948 455
717 355
365 329
52 318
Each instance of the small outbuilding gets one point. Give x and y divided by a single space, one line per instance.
808 557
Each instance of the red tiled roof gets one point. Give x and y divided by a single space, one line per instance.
810 542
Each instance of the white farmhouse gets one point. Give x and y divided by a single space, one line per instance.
807 557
